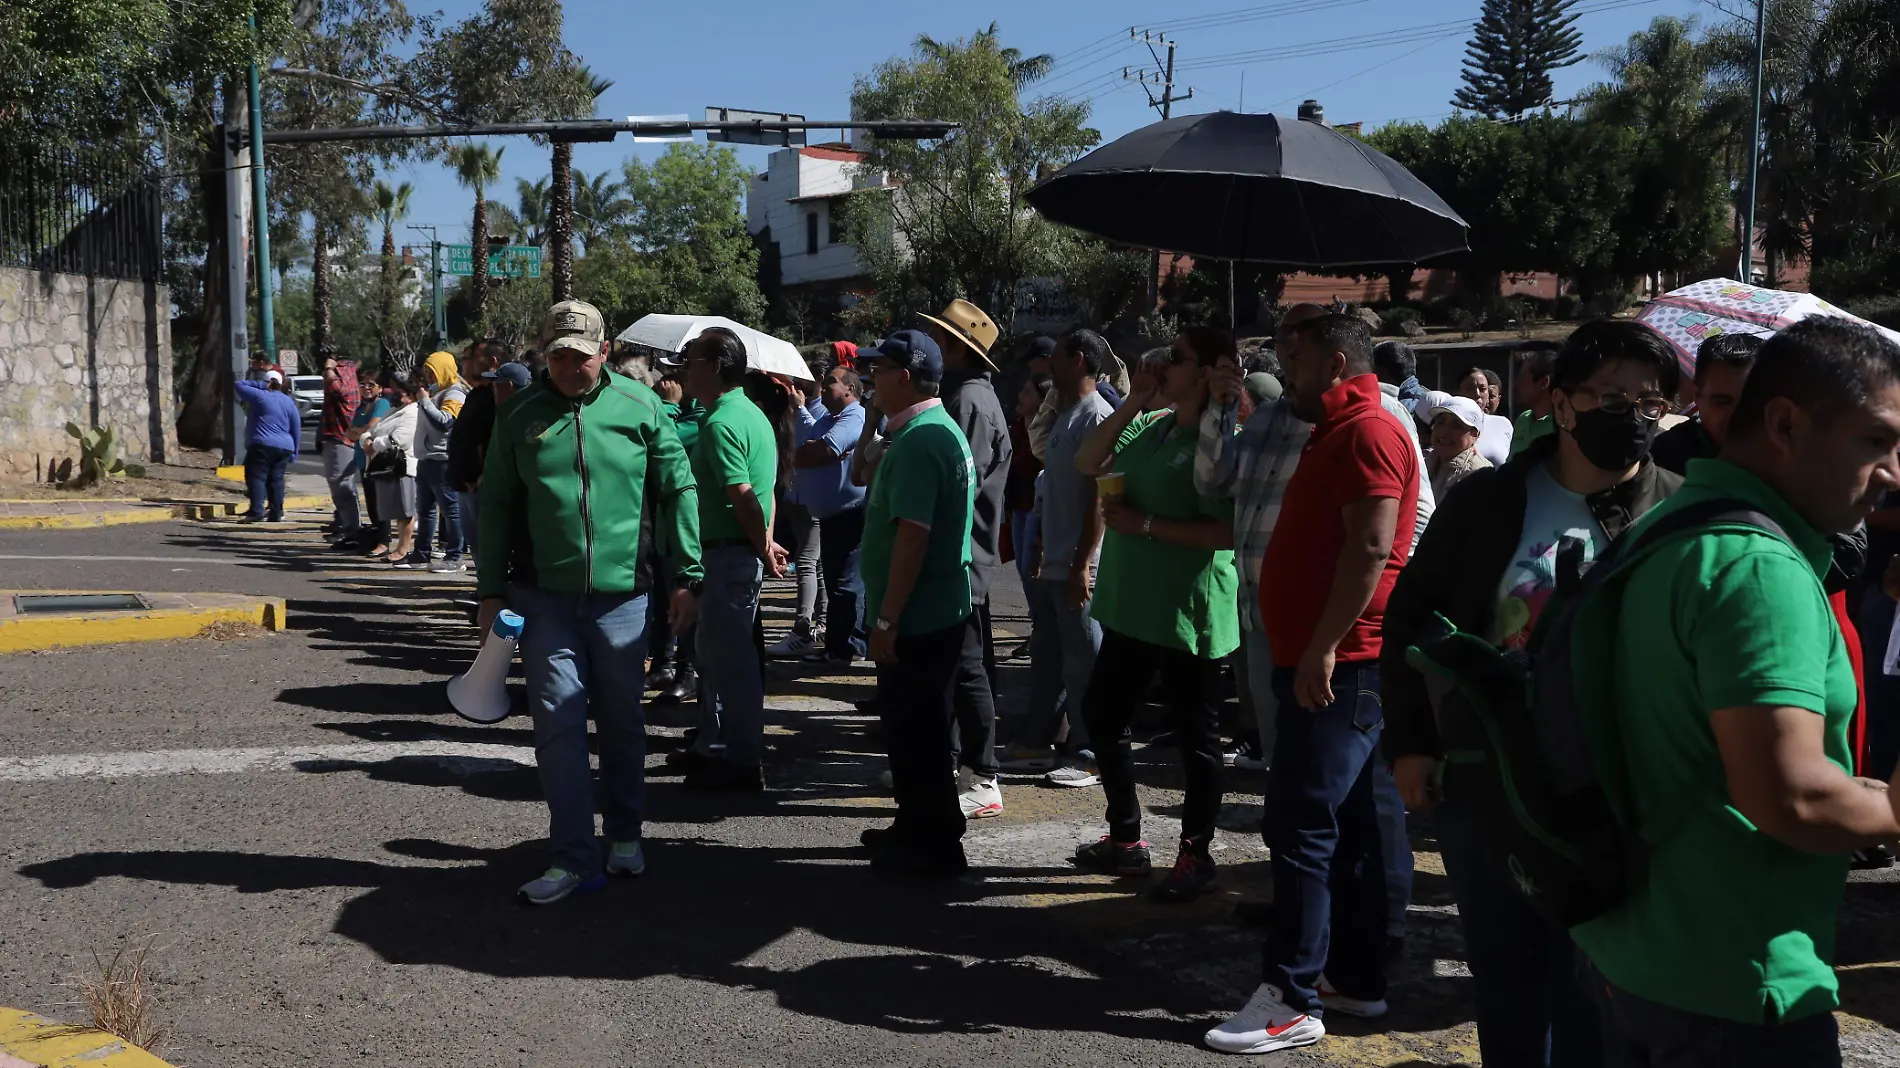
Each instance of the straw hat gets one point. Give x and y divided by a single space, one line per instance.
967 323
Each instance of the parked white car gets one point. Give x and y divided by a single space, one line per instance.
307 391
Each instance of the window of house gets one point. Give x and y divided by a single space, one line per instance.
835 218
811 233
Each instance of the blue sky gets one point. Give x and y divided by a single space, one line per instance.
1370 60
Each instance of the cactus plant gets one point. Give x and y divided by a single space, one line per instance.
98 457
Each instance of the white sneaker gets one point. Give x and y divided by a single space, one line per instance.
1338 1002
1083 772
1264 1025
981 798
793 645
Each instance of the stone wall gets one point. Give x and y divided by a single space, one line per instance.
93 351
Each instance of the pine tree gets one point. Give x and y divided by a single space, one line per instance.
1515 45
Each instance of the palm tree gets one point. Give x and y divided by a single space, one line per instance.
599 207
392 206
477 167
561 194
531 216
1023 70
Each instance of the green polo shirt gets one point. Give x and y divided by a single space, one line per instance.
928 477
1166 594
735 447
1728 922
1529 428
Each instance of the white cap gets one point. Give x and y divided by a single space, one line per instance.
1464 408
274 377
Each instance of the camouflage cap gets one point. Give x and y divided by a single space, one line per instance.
573 324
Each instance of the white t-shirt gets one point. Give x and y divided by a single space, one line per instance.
1552 516
1494 440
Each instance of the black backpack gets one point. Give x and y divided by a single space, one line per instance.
1541 772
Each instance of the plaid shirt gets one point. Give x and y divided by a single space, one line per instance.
339 404
1253 463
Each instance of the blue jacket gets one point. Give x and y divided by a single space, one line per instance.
827 490
273 416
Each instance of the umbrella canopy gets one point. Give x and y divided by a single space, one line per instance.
1258 188
670 333
1689 316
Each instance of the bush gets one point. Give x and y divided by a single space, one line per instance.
1883 310
1393 316
1564 308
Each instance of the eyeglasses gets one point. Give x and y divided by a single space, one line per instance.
1652 406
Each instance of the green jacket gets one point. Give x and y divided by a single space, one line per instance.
573 478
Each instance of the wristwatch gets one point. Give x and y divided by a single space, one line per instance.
884 626
1148 525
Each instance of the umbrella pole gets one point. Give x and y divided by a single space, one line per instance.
1233 324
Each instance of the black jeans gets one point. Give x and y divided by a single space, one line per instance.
1123 669
914 700
264 467
975 741
839 537
1638 1033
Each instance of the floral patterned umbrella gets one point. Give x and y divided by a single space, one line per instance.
1689 316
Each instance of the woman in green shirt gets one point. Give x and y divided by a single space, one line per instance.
1165 596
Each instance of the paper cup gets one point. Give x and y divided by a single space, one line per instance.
1112 485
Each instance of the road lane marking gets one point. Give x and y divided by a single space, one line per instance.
233 761
126 559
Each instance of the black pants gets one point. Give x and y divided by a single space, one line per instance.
1638 1033
839 538
975 743
914 698
1122 672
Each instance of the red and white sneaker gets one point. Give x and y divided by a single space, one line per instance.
980 798
1265 1025
1338 1002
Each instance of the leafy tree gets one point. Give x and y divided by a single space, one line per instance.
599 207
1515 45
561 195
956 223
683 246
392 206
525 224
477 167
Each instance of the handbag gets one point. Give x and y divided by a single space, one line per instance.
390 463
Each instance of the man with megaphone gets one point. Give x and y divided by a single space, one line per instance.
584 475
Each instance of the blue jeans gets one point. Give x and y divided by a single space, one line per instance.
1024 528
1266 707
471 505
264 467
839 539
1324 826
1532 1007
432 489
731 688
1063 642
585 652
1638 1033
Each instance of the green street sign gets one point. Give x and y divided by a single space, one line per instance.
508 261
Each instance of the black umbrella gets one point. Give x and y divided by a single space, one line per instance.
1259 188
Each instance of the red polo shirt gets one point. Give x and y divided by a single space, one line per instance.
1357 452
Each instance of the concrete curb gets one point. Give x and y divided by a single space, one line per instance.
77 521
202 511
44 1042
171 616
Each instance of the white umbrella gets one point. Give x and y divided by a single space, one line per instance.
671 333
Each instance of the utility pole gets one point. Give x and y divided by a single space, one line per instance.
435 274
260 220
1162 75
1747 269
236 138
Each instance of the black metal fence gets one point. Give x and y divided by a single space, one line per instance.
76 213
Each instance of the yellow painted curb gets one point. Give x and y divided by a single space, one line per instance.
118 518
25 634
214 510
232 472
56 1045
60 500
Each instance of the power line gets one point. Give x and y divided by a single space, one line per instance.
1382 64
1247 14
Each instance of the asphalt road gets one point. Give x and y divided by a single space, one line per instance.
326 860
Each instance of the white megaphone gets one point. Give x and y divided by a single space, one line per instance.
481 693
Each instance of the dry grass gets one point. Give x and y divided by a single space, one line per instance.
231 630
118 998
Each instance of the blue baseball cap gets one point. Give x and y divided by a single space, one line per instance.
908 350
515 374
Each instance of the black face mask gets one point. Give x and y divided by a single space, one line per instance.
1613 441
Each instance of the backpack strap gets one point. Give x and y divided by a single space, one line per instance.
1623 558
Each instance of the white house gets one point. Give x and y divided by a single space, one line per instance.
796 202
